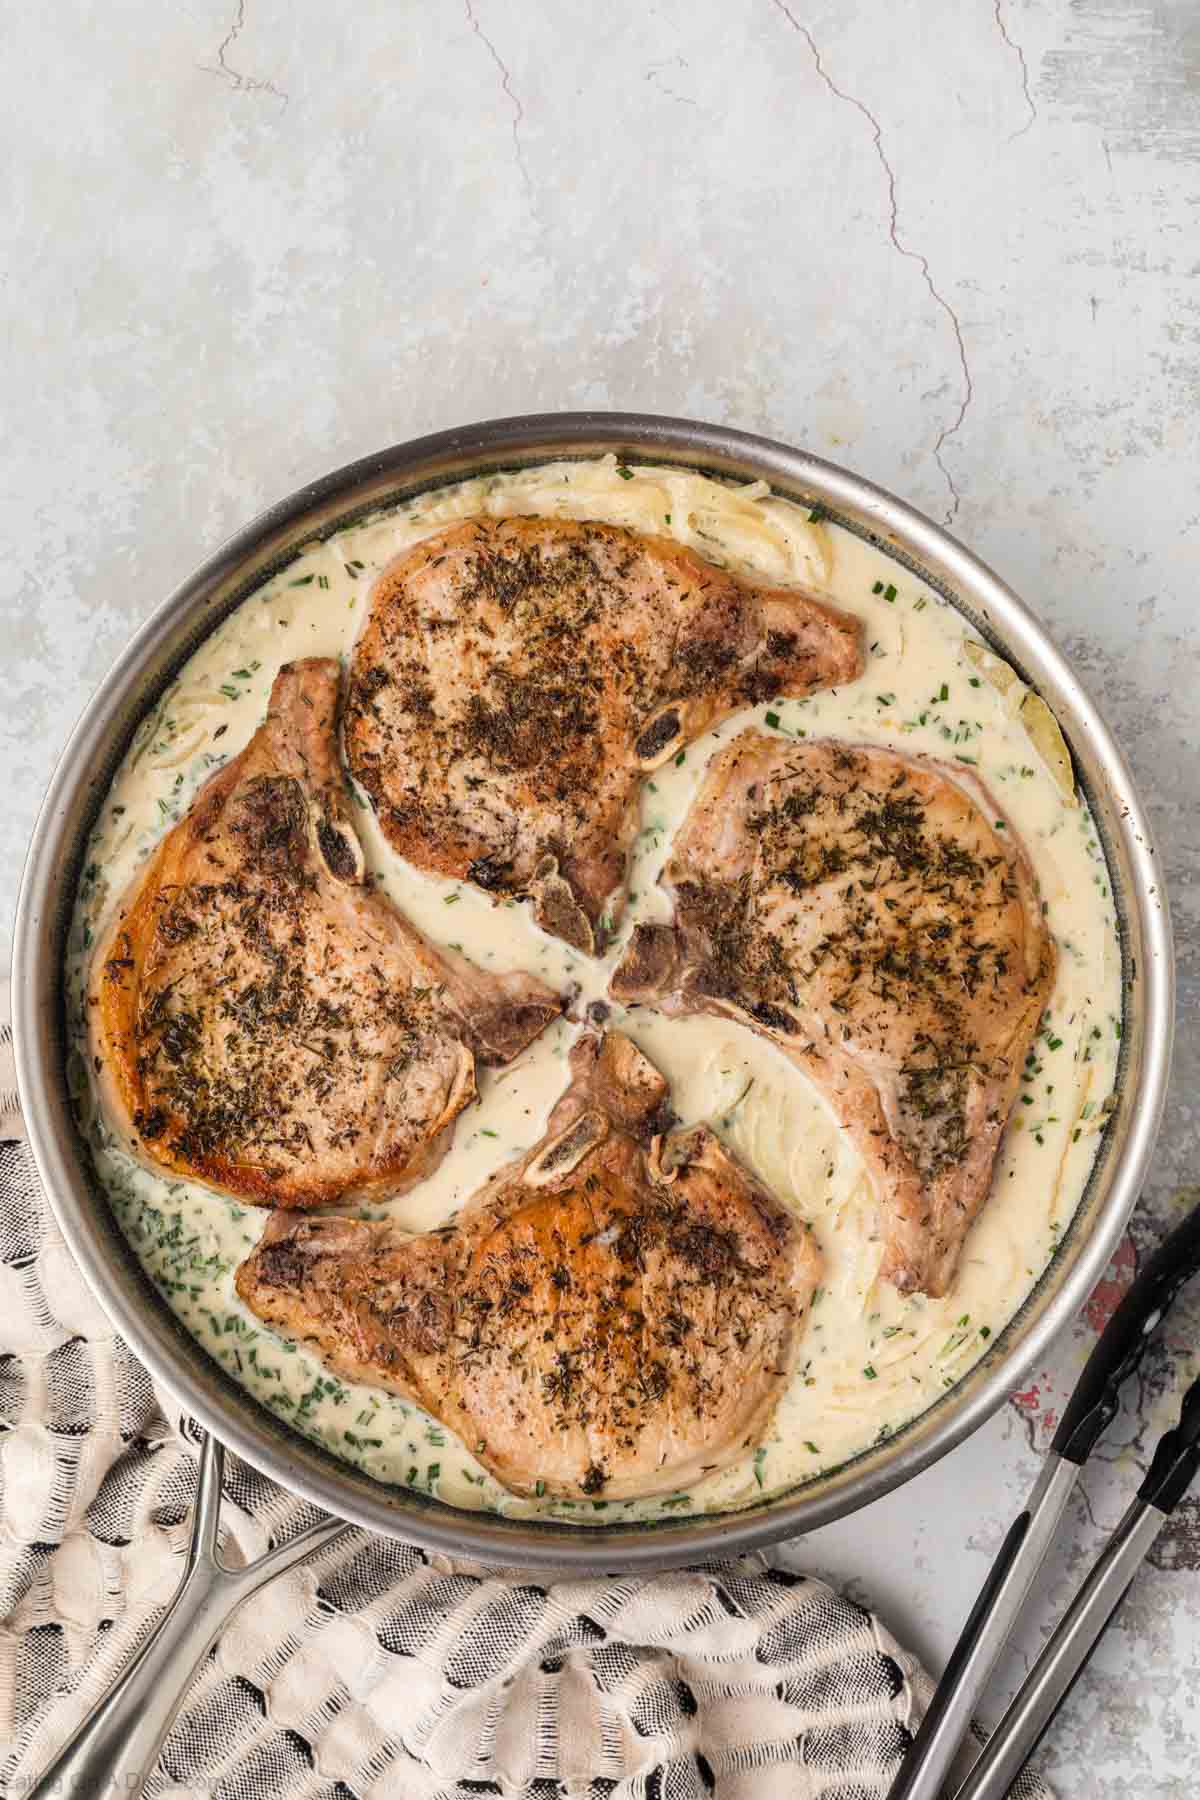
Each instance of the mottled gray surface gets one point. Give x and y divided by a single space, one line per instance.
951 244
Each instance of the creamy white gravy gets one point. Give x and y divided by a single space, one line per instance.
871 1360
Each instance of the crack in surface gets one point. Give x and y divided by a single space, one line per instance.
1028 1423
241 84
518 110
968 388
1086 1501
654 74
1020 56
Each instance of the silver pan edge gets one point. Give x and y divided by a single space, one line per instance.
81 780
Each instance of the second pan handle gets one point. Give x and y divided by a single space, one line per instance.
115 1751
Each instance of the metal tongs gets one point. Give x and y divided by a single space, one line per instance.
1091 1409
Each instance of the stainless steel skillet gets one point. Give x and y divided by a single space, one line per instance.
155 655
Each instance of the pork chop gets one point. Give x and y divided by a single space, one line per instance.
516 678
876 916
260 1019
613 1315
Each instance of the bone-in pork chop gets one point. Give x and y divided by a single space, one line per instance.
874 915
260 1019
516 678
616 1314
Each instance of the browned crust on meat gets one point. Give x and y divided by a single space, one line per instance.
614 1315
516 678
877 917
260 1019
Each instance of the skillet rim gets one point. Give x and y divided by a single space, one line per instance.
82 776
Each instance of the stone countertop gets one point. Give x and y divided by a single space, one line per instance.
950 245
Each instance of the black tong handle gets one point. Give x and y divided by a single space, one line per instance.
1122 1344
1176 1457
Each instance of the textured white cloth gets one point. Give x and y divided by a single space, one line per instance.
10 1110
376 1672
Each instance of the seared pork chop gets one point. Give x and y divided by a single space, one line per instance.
516 678
874 915
260 1019
616 1314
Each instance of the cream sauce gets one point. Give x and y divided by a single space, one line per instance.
871 1360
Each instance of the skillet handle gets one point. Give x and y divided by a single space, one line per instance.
115 1751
